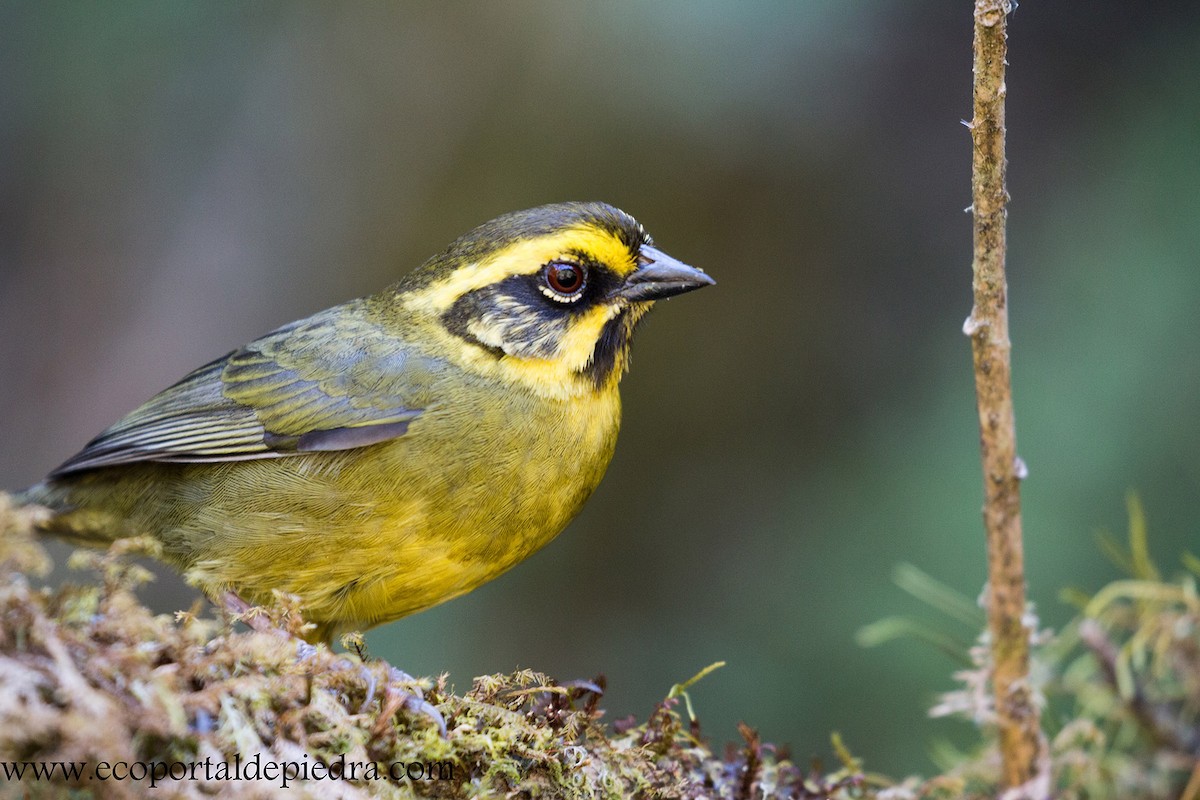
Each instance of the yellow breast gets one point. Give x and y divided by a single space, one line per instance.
364 537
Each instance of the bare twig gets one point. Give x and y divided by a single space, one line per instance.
1021 742
1192 790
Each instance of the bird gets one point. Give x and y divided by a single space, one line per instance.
398 450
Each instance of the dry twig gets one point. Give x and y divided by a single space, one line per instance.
1022 745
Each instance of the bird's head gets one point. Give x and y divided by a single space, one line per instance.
548 297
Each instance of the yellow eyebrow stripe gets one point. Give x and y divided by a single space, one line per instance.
523 257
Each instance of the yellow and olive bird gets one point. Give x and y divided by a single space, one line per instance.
398 450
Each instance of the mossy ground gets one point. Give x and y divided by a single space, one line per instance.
88 675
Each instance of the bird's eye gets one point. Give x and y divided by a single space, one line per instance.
565 281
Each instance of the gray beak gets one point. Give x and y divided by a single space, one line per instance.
661 276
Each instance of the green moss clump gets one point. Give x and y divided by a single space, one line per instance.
89 676
1120 684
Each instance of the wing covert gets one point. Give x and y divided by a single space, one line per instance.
334 381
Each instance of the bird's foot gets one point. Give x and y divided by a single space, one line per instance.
400 690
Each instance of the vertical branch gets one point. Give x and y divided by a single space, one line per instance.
1022 746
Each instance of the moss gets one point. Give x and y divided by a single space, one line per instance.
88 674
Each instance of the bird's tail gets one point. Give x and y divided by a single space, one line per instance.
45 509
31 507
35 495
21 519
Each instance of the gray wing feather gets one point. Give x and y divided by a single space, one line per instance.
334 381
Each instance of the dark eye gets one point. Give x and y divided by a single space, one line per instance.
565 280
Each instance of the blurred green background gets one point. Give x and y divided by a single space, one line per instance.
176 179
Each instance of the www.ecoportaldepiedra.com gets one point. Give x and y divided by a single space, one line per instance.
255 768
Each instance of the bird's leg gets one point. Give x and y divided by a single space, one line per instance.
394 698
242 611
256 620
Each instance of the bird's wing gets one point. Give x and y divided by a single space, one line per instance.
333 381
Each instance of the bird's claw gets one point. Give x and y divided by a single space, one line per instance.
411 698
419 706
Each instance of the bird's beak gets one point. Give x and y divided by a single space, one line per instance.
660 276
